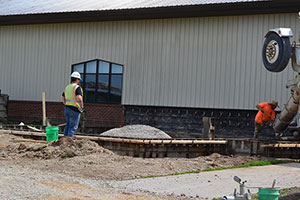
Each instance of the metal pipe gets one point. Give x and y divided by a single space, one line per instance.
288 112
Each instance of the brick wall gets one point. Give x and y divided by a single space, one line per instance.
97 115
188 121
185 121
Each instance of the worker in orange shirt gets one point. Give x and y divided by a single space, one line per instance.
265 114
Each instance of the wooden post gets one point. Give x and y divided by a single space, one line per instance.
212 128
208 131
205 129
44 109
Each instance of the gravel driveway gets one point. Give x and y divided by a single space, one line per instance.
20 183
25 183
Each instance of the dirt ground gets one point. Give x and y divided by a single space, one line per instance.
88 159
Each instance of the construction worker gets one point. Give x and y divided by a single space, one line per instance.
72 98
265 114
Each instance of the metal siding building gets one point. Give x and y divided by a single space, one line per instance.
201 62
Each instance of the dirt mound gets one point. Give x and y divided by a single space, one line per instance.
63 148
136 131
101 163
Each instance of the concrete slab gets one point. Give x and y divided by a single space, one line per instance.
207 185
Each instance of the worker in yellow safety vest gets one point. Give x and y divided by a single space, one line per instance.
72 98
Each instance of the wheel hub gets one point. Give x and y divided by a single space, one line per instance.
272 51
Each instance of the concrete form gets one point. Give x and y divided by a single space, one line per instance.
158 148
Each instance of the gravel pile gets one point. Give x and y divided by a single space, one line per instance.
137 131
63 148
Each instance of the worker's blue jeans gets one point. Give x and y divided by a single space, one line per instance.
72 121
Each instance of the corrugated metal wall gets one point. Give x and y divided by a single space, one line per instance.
212 62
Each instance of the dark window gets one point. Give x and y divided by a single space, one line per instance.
101 81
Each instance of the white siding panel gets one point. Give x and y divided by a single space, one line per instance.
210 62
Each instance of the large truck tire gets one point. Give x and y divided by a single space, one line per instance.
276 52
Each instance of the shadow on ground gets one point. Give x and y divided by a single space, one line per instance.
291 197
290 194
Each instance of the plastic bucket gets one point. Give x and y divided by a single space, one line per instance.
51 133
268 194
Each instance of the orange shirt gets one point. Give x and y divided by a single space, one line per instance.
262 117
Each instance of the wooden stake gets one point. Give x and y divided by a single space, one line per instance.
205 129
35 129
208 130
273 185
44 109
29 140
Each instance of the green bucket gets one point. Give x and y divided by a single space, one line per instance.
268 194
51 133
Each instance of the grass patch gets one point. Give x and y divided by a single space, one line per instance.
250 164
284 191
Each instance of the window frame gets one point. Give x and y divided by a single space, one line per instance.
97 74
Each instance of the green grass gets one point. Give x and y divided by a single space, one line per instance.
250 164
284 191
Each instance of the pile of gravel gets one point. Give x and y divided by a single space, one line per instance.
136 131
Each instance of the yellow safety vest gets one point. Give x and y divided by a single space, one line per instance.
70 95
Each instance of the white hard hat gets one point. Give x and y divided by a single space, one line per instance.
76 75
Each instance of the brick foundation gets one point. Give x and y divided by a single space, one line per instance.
187 122
181 122
97 115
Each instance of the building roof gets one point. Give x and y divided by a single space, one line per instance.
54 11
21 7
